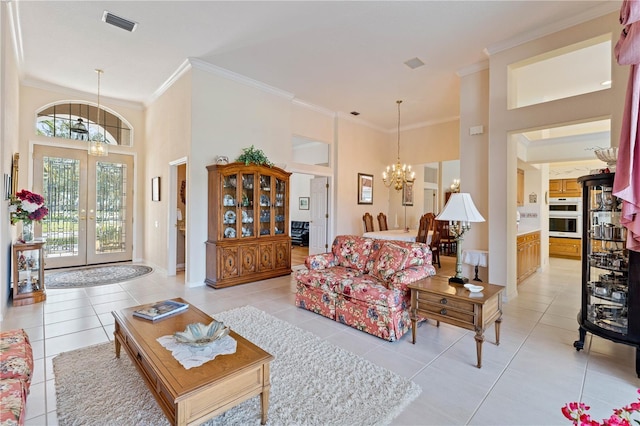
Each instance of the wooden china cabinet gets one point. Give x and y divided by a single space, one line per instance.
248 224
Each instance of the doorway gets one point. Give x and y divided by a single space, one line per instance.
90 203
177 217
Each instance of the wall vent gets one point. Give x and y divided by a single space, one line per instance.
119 22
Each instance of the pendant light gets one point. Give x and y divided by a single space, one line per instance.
398 175
97 147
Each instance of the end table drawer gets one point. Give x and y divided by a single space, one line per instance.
447 302
446 313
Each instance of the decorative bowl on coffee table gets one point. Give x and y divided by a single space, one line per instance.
198 334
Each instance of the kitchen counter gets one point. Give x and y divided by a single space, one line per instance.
522 230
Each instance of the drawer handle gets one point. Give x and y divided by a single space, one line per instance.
443 311
139 356
443 301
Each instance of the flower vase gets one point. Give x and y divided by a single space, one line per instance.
27 232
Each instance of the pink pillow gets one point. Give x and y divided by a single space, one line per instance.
391 259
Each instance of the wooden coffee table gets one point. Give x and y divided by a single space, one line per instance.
200 393
434 298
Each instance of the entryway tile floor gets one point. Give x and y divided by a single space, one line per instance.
524 381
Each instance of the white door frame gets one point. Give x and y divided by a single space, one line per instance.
320 172
172 219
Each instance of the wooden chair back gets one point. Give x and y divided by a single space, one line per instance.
368 222
435 248
447 241
382 221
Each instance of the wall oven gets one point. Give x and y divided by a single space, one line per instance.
565 217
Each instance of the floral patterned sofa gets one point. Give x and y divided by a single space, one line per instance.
362 283
16 367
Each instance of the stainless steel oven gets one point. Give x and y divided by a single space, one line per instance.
565 217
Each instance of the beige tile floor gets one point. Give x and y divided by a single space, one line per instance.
524 381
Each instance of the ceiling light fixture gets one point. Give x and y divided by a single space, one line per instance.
97 147
79 128
396 174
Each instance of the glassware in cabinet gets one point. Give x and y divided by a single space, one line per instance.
28 273
610 303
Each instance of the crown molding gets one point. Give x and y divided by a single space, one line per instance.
313 107
587 15
44 85
348 117
14 24
177 74
239 78
426 124
473 68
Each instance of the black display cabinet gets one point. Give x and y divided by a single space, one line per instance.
610 273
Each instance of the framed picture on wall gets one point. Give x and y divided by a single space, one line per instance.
407 195
155 188
303 203
365 189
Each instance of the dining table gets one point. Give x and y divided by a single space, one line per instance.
397 235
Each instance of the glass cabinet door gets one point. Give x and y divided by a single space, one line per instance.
265 205
28 267
246 205
229 193
608 269
279 208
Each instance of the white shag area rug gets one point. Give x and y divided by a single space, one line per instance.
312 382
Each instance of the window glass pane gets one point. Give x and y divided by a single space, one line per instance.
57 121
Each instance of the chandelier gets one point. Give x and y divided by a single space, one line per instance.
97 147
398 174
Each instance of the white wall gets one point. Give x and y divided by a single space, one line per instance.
474 162
9 144
168 129
227 116
300 187
503 122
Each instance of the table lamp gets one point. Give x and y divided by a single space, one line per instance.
460 212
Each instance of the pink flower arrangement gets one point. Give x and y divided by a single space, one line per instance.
576 412
27 206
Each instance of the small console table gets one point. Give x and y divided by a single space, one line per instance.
434 298
475 258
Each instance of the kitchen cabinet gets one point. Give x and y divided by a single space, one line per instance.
28 273
528 258
567 248
520 192
248 238
610 303
564 188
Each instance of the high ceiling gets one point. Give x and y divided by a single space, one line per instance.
342 56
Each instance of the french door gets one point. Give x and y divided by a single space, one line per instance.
90 201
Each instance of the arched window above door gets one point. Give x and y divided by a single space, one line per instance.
61 119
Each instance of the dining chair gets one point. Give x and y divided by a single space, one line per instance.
368 222
435 248
382 221
423 230
447 242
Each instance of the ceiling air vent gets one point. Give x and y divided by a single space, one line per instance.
119 22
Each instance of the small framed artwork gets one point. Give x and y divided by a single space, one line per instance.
365 189
407 195
14 173
7 186
155 188
303 203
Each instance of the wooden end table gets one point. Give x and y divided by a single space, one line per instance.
434 298
190 397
